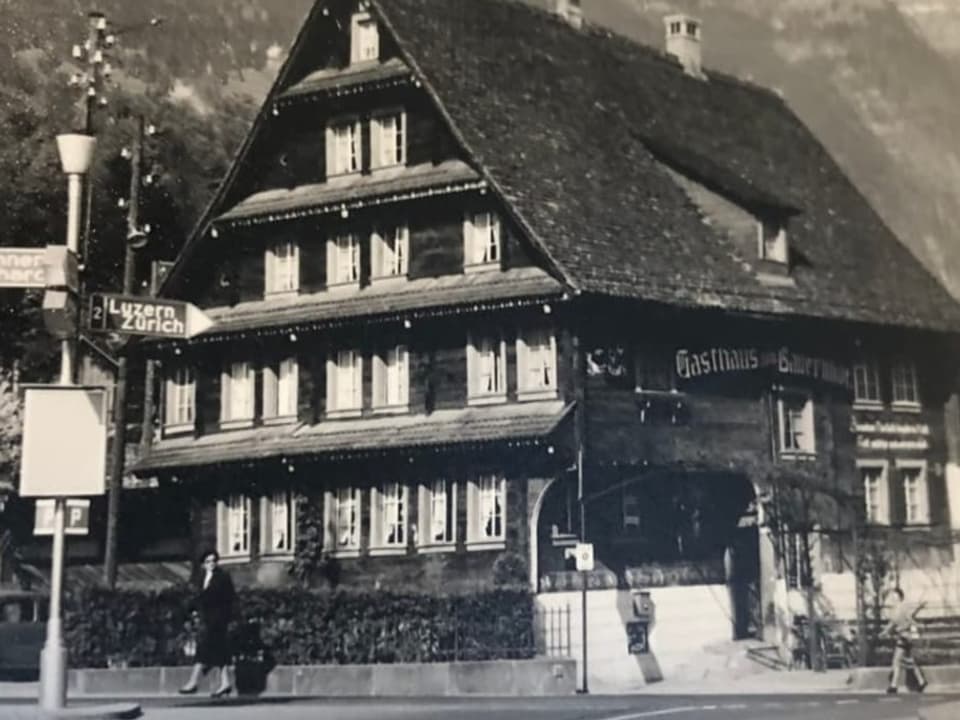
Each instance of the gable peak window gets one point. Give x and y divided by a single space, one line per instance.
906 392
772 241
481 241
486 368
795 424
537 364
343 260
236 394
364 36
390 252
282 267
866 383
391 379
388 139
179 399
344 149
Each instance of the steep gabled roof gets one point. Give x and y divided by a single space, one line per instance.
576 129
564 121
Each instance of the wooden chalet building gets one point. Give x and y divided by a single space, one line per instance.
487 279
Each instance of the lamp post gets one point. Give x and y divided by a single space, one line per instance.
76 156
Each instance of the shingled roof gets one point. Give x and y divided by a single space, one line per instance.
570 127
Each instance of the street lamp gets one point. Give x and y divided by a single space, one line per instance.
76 157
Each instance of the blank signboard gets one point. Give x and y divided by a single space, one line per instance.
64 441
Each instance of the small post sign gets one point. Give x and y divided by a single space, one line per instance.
584 557
22 267
76 520
131 315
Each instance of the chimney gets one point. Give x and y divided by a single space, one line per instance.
569 10
683 42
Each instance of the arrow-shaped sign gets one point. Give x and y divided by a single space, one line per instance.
131 315
22 267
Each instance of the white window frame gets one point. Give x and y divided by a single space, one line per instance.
807 425
866 377
482 242
180 400
280 390
364 41
237 387
390 513
438 497
388 139
338 405
390 253
282 268
233 524
280 507
477 369
340 502
344 147
391 379
533 360
485 492
923 488
343 261
772 246
883 490
903 375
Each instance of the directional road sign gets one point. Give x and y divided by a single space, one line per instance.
22 267
130 315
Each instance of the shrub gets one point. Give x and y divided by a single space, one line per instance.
300 627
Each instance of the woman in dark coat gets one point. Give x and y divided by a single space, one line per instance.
215 605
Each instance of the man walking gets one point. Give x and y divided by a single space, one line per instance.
902 628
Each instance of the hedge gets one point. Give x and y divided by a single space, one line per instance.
302 627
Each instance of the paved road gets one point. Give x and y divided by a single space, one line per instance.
637 707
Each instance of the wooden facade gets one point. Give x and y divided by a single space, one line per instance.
658 422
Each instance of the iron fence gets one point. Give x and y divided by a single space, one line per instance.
552 631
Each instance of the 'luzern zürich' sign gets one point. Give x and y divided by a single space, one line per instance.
692 364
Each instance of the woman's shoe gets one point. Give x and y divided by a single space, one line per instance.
220 692
187 690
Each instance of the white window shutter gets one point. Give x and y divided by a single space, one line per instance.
467 240
357 379
376 142
270 392
225 392
331 154
331 260
332 382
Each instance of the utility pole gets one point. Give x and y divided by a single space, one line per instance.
136 237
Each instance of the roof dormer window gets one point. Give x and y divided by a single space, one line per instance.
772 241
364 37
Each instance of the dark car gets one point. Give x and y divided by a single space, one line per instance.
22 632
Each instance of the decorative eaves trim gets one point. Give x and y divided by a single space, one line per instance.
348 205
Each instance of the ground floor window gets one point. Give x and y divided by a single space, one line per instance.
438 513
233 526
343 507
389 517
487 510
278 523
